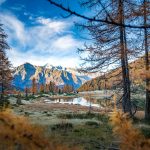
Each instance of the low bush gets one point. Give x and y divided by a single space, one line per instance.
92 123
83 116
130 137
62 126
146 132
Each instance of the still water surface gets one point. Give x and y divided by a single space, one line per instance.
82 101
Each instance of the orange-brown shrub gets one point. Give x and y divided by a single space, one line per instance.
17 133
130 137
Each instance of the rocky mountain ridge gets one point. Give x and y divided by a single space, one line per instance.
61 76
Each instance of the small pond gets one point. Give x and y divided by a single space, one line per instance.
82 101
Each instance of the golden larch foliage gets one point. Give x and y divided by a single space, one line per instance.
34 86
130 137
47 88
42 87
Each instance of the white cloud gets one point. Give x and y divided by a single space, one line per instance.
2 1
49 41
14 27
56 26
18 58
66 43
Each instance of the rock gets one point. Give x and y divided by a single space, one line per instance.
24 102
27 113
45 112
48 114
12 100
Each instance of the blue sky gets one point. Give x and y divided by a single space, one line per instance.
38 34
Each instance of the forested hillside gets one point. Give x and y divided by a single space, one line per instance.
112 79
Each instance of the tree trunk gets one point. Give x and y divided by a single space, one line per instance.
2 88
128 95
126 102
147 102
2 91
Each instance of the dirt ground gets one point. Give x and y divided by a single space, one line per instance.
57 106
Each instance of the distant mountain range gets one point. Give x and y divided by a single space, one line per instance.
24 74
113 78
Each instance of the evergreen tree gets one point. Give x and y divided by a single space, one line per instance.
5 66
26 92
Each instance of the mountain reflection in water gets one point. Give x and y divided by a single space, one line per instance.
83 101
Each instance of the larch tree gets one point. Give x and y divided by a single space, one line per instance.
42 89
51 86
46 88
110 44
5 66
142 12
67 88
34 86
110 28
146 18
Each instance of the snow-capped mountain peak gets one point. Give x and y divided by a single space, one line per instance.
49 66
24 74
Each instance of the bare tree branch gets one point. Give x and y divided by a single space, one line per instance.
95 19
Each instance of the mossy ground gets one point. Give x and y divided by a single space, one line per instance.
88 131
89 135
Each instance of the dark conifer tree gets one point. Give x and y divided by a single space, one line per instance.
5 66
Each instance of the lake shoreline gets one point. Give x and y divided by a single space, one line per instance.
68 107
